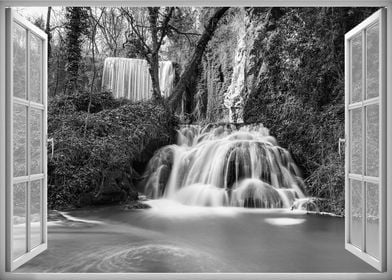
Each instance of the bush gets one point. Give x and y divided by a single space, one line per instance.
98 155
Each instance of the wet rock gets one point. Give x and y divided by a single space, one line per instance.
308 204
136 205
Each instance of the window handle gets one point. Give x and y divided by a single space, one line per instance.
51 141
341 141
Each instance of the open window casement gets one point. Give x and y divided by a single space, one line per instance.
26 172
365 111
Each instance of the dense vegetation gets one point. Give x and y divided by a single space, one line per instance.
299 94
99 155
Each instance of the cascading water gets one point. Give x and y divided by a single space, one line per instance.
129 78
220 165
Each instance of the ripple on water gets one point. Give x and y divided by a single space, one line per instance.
146 258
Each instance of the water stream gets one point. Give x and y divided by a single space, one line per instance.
222 165
129 78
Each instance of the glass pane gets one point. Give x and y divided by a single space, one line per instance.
19 220
35 213
19 135
356 141
35 68
19 61
356 213
356 70
373 59
36 141
372 140
372 220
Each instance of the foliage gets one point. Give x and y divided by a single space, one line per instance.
76 27
178 47
300 92
100 163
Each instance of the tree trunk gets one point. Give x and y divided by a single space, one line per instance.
154 58
48 31
154 73
188 76
76 27
93 34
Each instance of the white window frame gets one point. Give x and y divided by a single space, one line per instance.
32 30
266 3
380 17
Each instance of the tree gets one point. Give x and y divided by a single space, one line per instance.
76 28
188 76
111 26
48 32
93 33
149 36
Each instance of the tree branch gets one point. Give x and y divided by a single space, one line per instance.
165 25
188 75
136 31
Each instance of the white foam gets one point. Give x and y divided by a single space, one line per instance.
284 221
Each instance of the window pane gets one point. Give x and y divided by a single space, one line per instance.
356 141
36 141
356 213
372 140
35 68
19 135
35 213
372 219
356 70
19 61
373 60
19 220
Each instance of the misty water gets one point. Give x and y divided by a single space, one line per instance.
226 165
129 78
172 237
223 199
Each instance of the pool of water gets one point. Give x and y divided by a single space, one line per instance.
170 237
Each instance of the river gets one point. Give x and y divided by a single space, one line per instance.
171 237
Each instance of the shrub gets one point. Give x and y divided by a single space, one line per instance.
98 155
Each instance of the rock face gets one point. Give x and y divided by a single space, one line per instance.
217 68
231 65
234 95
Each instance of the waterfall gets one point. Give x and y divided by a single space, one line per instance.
129 78
221 165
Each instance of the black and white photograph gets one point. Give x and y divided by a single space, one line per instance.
196 139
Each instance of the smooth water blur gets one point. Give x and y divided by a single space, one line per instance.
130 78
172 237
222 165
